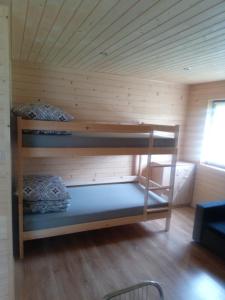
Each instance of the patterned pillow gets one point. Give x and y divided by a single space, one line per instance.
43 207
47 132
44 187
40 111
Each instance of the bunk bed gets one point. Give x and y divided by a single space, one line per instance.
122 201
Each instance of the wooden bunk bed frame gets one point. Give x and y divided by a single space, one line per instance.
75 126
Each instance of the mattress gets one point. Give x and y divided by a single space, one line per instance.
82 140
97 202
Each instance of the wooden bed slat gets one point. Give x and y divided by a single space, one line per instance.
38 234
94 127
65 152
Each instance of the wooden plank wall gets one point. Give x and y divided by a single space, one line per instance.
98 97
210 182
6 261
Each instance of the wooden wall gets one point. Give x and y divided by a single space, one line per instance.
98 97
6 261
210 182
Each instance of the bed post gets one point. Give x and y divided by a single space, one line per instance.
172 177
20 185
139 171
149 172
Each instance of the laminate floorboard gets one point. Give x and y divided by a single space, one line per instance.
86 266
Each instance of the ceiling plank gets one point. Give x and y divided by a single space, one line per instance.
19 13
119 19
144 38
66 14
183 30
33 18
177 25
200 58
179 53
89 25
83 12
116 12
151 19
194 35
52 10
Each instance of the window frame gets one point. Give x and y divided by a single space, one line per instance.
209 116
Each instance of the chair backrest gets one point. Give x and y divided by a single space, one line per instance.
147 290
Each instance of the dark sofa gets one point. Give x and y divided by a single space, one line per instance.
209 226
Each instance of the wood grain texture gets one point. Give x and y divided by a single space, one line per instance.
96 127
73 152
89 265
149 39
97 97
6 257
19 178
209 183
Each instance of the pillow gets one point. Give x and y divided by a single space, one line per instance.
47 132
40 111
43 207
44 187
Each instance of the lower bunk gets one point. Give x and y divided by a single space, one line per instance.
98 206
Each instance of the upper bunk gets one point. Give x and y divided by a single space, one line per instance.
86 138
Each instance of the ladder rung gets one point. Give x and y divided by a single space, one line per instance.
154 183
157 209
161 166
155 188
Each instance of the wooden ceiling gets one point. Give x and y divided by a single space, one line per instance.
178 40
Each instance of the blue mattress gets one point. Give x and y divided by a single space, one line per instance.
81 140
95 203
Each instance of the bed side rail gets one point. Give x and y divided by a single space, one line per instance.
94 127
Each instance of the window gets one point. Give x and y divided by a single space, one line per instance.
214 139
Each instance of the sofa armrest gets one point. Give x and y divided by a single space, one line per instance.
205 213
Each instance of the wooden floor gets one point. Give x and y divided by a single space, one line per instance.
86 266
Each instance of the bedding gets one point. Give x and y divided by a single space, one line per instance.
40 111
46 206
45 112
95 203
47 132
44 187
84 140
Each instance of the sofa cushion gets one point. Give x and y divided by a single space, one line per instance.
218 227
214 241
